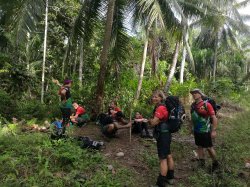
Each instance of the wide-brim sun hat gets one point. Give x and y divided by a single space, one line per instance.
197 90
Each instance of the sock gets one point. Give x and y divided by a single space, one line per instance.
170 174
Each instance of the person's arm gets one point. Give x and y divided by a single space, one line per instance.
138 120
214 126
213 119
154 121
63 94
160 113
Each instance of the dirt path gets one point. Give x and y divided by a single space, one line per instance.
182 149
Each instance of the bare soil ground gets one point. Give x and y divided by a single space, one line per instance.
182 150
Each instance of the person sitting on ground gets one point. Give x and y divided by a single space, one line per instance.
109 126
116 113
139 124
80 115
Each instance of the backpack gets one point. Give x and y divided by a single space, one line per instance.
206 100
104 119
176 113
86 142
215 106
68 95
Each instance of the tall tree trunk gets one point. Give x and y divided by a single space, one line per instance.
215 64
75 61
104 56
28 52
215 58
44 50
183 61
81 62
65 56
190 55
144 57
173 66
154 56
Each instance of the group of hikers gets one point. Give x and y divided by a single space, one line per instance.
164 118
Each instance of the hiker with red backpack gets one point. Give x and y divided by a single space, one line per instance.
204 123
163 138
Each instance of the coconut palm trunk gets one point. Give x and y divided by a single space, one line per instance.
104 56
183 61
173 66
144 57
81 62
44 50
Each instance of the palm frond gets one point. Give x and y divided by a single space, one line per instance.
87 19
120 39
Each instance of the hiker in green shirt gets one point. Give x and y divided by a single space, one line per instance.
66 104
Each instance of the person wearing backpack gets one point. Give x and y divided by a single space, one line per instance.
66 104
163 138
80 115
204 124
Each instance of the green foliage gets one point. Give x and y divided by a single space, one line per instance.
7 107
35 160
28 109
183 89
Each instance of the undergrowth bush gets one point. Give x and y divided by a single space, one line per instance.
35 160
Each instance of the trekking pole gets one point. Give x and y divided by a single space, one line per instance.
130 119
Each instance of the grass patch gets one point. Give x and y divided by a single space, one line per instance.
232 147
34 160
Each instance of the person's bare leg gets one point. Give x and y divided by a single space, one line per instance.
200 152
111 127
170 173
201 156
163 167
119 126
170 162
211 153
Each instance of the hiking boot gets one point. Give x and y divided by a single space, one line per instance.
201 163
170 177
215 165
160 181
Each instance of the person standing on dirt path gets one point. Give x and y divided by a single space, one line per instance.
66 104
163 138
204 125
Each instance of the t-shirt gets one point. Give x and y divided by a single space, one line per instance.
80 111
68 102
204 109
161 112
117 109
200 116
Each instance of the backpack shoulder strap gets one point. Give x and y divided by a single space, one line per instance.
205 104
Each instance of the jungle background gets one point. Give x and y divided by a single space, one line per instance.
120 50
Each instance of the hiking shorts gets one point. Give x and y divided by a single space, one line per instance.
163 145
107 133
203 139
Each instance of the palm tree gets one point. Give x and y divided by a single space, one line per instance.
44 49
104 56
167 12
219 26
